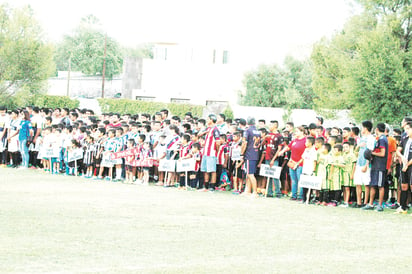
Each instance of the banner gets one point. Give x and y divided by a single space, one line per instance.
125 153
185 165
142 163
271 172
75 155
312 182
167 165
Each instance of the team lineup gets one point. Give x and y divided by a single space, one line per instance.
367 167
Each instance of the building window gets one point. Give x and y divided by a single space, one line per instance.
225 57
179 100
145 98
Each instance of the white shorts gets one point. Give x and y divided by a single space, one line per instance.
362 178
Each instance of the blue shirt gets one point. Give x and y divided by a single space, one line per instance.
25 127
252 137
379 163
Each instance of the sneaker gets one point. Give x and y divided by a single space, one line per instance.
395 206
379 208
357 206
332 204
367 207
399 210
293 199
344 205
107 178
236 192
202 190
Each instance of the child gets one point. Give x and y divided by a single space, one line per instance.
237 163
184 153
139 170
108 147
119 146
222 161
160 154
129 161
73 166
309 157
336 166
349 159
89 156
195 175
321 171
146 157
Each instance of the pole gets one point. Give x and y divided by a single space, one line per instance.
104 64
68 75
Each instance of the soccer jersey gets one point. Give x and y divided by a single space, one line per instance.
350 161
212 136
379 163
309 157
272 142
321 169
366 142
221 155
252 137
335 173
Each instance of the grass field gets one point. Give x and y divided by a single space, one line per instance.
64 224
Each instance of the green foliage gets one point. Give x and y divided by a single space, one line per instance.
228 112
141 51
124 106
272 86
367 67
85 50
25 98
25 60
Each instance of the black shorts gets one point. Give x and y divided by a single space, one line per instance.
406 177
129 168
378 178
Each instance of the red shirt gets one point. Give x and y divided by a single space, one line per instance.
272 142
297 147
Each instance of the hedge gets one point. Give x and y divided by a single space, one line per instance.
23 99
124 106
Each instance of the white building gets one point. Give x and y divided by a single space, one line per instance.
179 73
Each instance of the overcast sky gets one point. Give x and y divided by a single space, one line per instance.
256 30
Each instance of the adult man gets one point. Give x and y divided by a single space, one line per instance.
274 143
378 168
4 120
362 171
250 150
209 159
404 153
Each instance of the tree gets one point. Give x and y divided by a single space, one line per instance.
25 59
367 67
271 86
141 51
84 48
265 87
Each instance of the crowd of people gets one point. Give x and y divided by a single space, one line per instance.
366 166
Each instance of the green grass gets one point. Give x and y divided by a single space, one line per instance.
66 224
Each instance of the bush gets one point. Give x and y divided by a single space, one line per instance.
124 106
25 98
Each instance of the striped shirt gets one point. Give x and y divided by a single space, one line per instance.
212 136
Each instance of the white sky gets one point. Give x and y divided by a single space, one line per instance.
255 30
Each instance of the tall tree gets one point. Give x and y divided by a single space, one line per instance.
25 59
273 86
367 67
85 50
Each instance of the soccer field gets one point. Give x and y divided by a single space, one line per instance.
65 224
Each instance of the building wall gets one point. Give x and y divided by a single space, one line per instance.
90 87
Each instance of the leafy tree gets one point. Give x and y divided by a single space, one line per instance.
272 86
85 50
141 51
367 66
265 87
25 59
